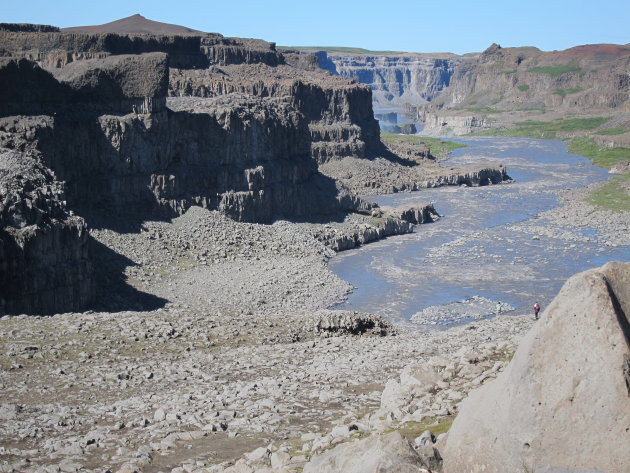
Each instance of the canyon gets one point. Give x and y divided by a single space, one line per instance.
170 203
135 125
493 90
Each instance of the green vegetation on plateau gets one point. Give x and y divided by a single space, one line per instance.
612 131
523 87
554 71
614 195
480 109
437 147
541 129
339 49
601 156
565 92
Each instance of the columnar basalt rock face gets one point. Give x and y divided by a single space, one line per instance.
44 262
339 112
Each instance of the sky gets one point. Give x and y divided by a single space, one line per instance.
402 25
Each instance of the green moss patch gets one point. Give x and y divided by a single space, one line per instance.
523 87
565 92
555 71
612 131
549 130
437 147
601 156
614 195
437 425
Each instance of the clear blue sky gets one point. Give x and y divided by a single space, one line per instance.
401 25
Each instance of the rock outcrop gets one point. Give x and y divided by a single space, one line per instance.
248 157
563 401
44 262
338 112
334 323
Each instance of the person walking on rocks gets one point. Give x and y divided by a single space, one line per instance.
536 310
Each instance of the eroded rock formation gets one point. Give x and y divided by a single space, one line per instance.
591 80
571 370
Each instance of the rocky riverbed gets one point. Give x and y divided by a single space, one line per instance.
239 355
216 353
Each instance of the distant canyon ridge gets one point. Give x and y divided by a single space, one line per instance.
453 94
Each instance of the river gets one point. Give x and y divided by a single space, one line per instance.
489 246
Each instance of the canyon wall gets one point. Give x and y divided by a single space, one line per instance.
44 261
89 115
590 80
397 80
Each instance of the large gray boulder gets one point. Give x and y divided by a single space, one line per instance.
563 403
377 454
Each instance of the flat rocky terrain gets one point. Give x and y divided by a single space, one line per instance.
239 355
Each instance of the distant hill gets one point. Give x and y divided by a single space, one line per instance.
135 24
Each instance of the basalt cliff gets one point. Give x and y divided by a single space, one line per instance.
119 125
398 81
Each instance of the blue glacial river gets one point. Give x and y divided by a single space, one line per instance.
490 241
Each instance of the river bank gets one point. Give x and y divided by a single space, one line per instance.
239 355
513 244
238 366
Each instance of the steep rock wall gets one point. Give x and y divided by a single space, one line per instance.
44 262
248 155
588 80
339 112
395 80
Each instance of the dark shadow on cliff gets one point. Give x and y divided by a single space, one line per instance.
112 291
384 152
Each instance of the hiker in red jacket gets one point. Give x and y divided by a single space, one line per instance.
536 310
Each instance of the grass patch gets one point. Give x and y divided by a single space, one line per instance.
437 147
523 87
437 425
511 71
554 71
549 130
497 100
565 92
614 195
604 157
482 110
612 131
